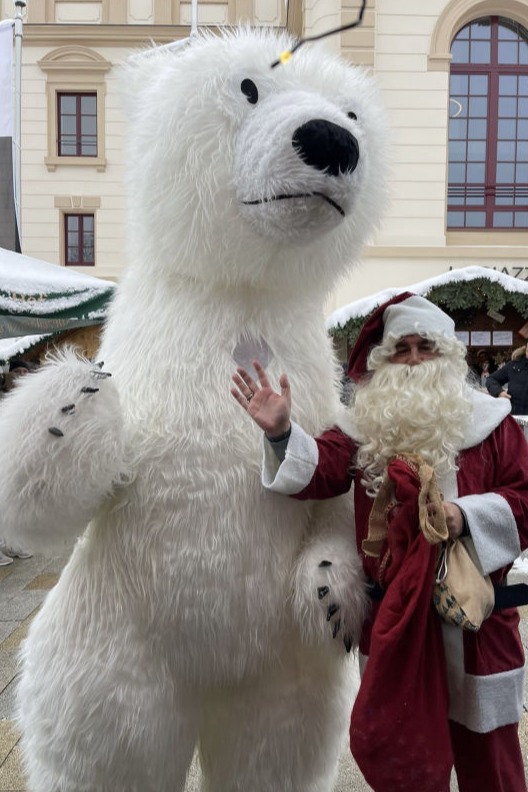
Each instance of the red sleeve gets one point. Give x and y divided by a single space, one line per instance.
500 464
335 466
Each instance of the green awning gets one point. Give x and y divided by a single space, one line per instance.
37 297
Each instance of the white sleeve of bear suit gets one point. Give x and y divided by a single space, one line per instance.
62 451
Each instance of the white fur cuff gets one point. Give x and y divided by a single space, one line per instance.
296 472
493 529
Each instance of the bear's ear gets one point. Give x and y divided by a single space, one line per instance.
142 70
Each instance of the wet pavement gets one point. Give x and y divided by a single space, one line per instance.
23 586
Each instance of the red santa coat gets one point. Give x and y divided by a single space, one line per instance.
485 669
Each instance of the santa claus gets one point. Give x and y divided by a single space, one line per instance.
432 694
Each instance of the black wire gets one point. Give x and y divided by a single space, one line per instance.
332 32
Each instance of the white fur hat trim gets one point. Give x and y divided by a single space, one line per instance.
416 316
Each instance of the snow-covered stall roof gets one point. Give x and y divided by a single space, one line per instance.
38 298
13 347
361 309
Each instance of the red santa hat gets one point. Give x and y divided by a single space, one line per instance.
404 314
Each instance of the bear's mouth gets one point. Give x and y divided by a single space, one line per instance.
296 195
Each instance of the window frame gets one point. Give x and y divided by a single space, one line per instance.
78 135
75 205
74 70
491 187
81 216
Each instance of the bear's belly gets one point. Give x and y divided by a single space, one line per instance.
201 569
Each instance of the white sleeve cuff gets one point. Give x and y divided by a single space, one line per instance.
296 471
493 529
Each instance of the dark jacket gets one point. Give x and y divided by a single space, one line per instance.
515 373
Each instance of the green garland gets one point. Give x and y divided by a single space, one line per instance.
451 297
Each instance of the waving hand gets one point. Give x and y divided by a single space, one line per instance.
269 409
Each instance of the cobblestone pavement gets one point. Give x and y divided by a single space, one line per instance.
23 586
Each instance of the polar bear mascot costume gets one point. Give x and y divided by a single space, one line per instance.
199 611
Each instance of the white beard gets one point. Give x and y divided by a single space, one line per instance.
420 409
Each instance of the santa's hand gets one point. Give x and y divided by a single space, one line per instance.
453 516
269 409
454 519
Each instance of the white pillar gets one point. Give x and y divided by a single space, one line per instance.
17 138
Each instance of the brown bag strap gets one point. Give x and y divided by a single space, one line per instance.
377 524
434 528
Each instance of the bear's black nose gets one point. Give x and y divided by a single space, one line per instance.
326 146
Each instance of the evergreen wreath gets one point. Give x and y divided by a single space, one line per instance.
459 296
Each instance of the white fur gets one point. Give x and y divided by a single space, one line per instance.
188 613
51 486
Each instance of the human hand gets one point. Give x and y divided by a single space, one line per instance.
504 395
453 515
454 519
269 409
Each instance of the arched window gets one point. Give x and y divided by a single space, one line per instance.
488 126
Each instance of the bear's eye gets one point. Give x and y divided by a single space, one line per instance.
250 90
352 115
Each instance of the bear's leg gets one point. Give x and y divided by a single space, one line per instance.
109 731
284 730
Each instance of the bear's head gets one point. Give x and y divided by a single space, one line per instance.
244 175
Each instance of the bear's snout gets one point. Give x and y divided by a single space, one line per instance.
326 146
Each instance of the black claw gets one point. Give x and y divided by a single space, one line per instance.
55 431
325 563
89 390
101 374
68 409
337 627
99 363
333 608
322 591
347 640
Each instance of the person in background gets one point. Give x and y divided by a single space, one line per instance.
484 367
514 375
17 368
431 695
501 359
347 386
9 552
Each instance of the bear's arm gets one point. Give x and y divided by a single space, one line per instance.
62 452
